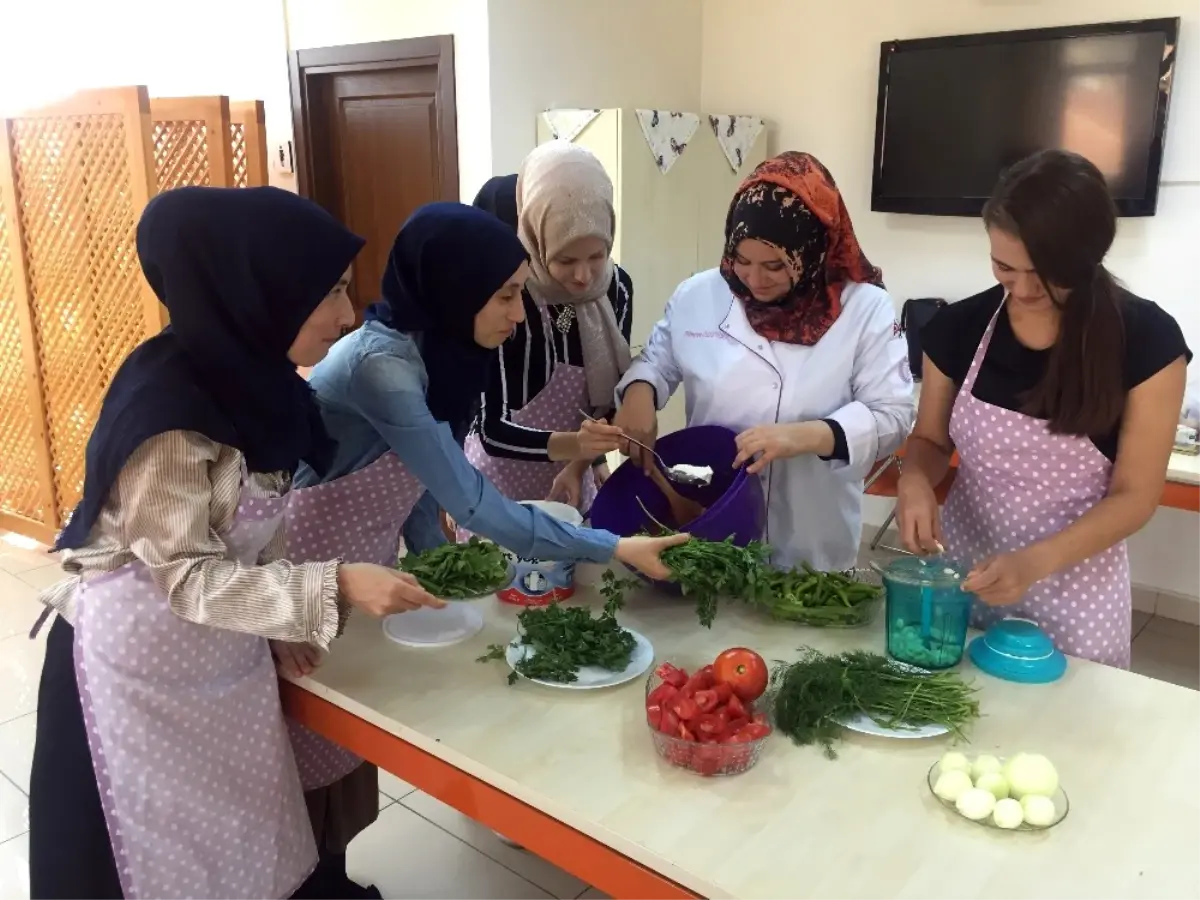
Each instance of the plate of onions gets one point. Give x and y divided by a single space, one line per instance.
1016 793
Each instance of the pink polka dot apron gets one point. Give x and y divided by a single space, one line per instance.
555 408
355 518
192 759
1018 484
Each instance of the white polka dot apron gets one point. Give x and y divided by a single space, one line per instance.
355 518
1018 484
192 758
555 408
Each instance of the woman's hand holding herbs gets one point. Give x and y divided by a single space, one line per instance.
380 592
781 441
644 553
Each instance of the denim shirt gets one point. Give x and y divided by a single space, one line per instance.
371 391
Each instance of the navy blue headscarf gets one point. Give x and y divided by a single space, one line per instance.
239 271
499 197
446 263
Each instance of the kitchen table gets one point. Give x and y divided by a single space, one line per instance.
572 775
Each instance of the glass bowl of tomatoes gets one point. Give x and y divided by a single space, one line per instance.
699 723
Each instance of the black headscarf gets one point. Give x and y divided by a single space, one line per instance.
446 263
499 197
239 270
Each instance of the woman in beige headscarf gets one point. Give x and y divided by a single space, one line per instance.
568 355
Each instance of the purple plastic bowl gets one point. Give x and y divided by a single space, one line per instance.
734 501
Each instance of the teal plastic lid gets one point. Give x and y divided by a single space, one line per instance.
1018 650
934 571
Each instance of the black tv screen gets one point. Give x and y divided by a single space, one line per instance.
954 112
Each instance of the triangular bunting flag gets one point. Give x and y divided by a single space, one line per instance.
567 124
667 134
736 135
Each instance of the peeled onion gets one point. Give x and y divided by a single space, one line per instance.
954 761
952 783
976 804
994 783
985 765
1030 773
1039 810
1008 813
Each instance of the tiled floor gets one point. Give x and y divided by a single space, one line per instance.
419 847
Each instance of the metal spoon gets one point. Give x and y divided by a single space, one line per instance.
682 474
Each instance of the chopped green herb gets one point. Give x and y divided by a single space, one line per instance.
562 639
459 571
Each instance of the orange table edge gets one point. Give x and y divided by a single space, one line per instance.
586 858
1176 494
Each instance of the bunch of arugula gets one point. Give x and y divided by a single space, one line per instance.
459 571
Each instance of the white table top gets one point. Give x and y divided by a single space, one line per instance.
799 825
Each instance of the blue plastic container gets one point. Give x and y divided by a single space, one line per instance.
1018 650
928 612
735 504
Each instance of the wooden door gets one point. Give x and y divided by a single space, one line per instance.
377 139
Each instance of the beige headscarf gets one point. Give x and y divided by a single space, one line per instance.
564 194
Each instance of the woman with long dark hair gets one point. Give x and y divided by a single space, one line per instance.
1061 391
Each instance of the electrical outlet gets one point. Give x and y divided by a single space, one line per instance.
283 160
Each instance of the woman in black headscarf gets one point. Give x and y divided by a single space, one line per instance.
176 583
399 394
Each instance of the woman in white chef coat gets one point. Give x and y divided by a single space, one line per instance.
792 343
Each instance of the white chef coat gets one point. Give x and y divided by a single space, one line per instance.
857 374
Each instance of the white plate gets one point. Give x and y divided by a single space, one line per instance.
590 677
424 627
864 724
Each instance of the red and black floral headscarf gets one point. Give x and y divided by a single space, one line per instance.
792 203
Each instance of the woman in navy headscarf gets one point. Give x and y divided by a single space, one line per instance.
400 394
179 779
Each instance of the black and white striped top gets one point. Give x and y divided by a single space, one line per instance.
523 367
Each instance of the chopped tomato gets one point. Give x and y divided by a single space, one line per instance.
685 733
743 670
736 709
672 675
701 680
662 694
754 731
679 755
724 692
761 719
735 725
712 723
707 738
706 760
685 707
669 723
654 715
740 738
705 700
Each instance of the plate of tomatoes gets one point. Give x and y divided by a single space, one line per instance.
705 721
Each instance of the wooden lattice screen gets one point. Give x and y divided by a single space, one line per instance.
248 139
75 177
189 142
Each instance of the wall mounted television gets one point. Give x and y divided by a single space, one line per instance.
953 112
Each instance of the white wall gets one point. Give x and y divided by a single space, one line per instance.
814 74
234 47
328 23
575 53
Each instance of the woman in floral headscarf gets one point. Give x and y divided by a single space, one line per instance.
792 343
